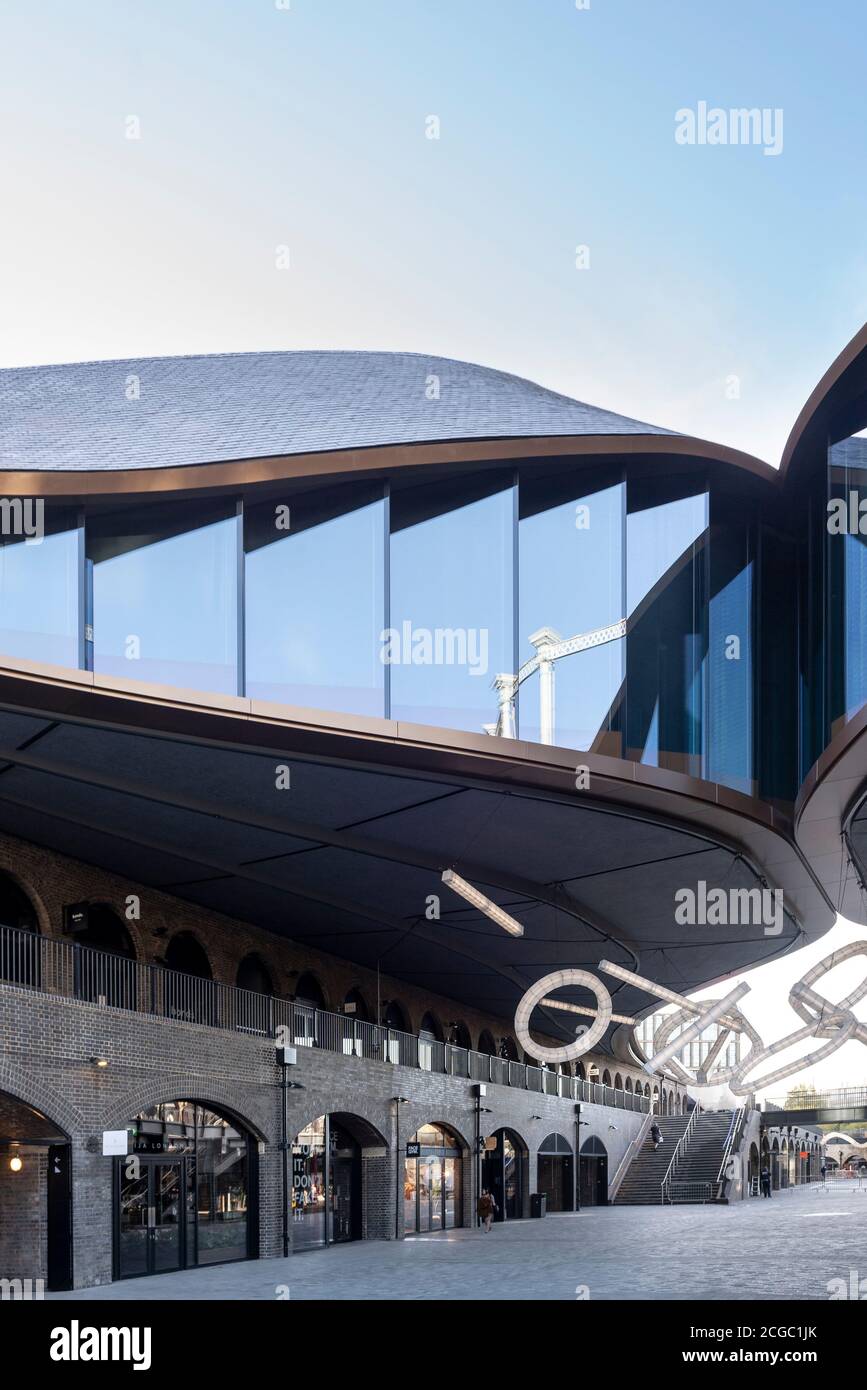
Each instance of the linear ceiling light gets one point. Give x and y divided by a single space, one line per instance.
472 895
580 1009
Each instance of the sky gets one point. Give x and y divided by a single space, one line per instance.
187 177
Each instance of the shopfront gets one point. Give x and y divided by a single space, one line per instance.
186 1193
555 1173
503 1173
326 1184
432 1181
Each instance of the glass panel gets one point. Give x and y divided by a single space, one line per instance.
308 1186
451 625
450 1193
847 571
424 1184
436 1194
165 596
168 1212
571 585
410 1192
222 1197
39 592
315 601
133 1224
666 643
730 725
778 664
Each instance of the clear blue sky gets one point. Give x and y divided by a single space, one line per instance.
305 127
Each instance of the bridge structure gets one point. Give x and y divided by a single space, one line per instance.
841 1107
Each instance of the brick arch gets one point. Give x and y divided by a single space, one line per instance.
45 1099
446 1124
232 1100
350 1111
8 866
132 927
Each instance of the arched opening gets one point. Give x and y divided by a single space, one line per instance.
618 1082
430 1039
606 1077
555 1173
393 1016
593 1174
355 1006
35 1199
105 971
254 975
20 960
508 1050
191 1196
504 1165
432 1179
188 985
308 991
629 1085
775 1165
486 1044
459 1035
339 1169
581 1072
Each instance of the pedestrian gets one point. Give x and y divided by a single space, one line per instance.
486 1208
655 1135
823 1170
766 1181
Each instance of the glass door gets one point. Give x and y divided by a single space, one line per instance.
150 1211
436 1194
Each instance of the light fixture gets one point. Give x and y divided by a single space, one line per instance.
101 1062
535 1117
15 1164
401 1100
472 895
582 1009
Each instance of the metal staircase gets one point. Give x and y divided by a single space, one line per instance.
685 1167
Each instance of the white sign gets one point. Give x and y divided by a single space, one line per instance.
115 1141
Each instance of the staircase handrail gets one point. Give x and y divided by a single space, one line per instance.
631 1153
680 1148
732 1144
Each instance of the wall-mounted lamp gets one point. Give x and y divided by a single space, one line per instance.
100 1062
535 1117
16 1164
401 1100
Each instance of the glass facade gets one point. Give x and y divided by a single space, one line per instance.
326 1185
315 601
183 1197
432 1181
640 613
41 589
451 610
164 593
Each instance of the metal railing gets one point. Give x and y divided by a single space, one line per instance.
680 1149
57 966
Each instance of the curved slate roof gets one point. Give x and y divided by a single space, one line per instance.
239 405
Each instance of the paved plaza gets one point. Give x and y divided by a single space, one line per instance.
785 1248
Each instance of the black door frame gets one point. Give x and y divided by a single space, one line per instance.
148 1163
59 1269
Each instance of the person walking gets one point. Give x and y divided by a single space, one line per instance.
486 1208
765 1176
655 1136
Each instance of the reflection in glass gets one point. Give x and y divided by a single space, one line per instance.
730 731
39 593
451 614
165 586
666 642
431 1187
315 600
571 584
847 571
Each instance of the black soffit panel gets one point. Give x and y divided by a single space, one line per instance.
203 823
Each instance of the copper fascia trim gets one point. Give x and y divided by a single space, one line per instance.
331 465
